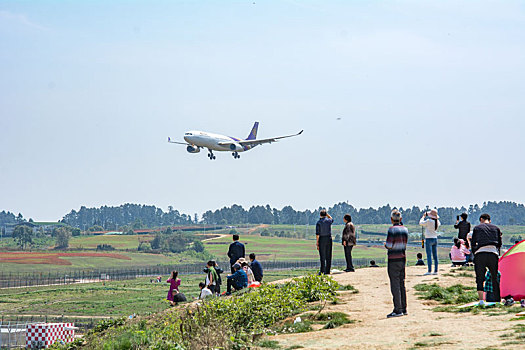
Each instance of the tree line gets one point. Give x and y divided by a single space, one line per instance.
502 213
135 216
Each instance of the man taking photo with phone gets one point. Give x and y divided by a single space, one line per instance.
463 226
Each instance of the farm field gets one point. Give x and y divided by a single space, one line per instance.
119 242
289 249
112 298
36 261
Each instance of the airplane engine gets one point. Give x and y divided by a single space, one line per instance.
235 147
193 149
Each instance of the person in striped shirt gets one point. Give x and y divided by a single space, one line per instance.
396 243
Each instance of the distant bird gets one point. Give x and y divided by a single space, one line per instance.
338 119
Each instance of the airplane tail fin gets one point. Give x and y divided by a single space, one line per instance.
253 133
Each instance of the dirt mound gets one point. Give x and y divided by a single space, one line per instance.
422 328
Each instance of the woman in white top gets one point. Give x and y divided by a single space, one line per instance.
430 221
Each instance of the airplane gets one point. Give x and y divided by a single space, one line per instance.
197 140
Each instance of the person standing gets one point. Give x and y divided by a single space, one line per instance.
463 226
349 241
174 286
212 278
430 221
396 243
235 251
323 232
256 268
485 243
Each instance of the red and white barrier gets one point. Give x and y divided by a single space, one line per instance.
43 335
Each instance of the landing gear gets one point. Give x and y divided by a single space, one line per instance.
236 155
211 156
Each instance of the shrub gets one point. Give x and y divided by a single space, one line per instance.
314 287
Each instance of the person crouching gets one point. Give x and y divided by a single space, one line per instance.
238 280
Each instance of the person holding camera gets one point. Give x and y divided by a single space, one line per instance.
463 226
323 232
430 221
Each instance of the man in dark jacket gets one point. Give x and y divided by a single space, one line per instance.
256 268
323 232
237 280
486 243
463 226
235 252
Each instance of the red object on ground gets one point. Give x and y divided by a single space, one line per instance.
43 335
512 268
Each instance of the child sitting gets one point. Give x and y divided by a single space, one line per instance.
458 253
420 261
205 291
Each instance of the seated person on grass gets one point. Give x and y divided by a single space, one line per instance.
420 261
205 291
459 253
373 263
237 280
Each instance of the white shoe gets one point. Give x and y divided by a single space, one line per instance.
427 273
434 273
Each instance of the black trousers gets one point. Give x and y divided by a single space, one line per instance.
230 284
396 273
482 261
348 257
325 254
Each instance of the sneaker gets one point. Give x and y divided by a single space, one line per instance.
349 270
509 302
394 314
405 313
522 302
434 273
427 273
481 303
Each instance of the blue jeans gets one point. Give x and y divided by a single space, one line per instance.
431 248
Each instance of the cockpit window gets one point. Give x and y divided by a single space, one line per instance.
188 134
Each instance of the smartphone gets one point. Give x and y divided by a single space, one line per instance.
457 217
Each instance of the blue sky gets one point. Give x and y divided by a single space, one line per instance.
430 96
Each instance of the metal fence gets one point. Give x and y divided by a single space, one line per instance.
13 335
21 280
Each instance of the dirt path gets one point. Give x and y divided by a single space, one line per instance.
374 331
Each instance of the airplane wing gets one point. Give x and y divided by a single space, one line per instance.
258 142
178 143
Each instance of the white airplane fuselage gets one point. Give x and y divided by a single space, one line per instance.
212 141
196 140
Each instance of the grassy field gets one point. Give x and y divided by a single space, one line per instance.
116 298
268 248
88 262
119 242
286 249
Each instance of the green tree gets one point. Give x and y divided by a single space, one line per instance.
63 235
23 235
198 246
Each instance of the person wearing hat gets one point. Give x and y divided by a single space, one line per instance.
430 221
463 226
237 280
396 243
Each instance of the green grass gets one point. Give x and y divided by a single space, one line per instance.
286 249
113 298
119 242
456 294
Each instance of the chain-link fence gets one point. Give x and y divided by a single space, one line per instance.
20 280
